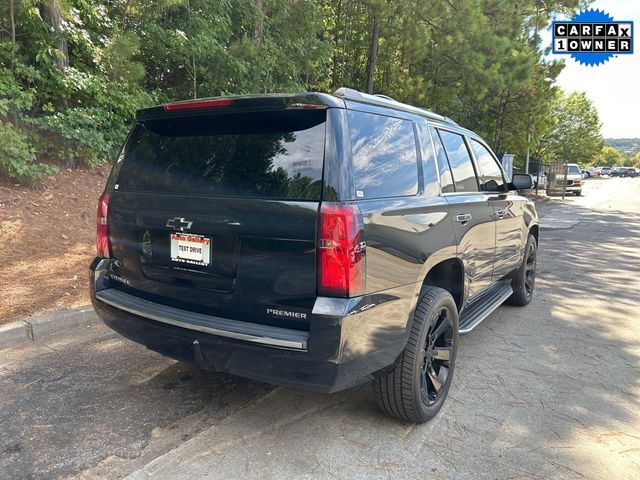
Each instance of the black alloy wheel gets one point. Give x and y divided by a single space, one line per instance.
417 385
530 269
524 278
437 352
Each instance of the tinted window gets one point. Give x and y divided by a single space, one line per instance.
446 180
429 164
271 155
385 159
464 175
492 180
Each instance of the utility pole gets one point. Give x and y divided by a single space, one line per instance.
526 160
564 164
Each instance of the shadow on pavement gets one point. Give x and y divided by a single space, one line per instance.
544 391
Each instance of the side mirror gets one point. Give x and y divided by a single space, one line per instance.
521 181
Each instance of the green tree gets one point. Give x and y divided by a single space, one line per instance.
73 72
573 131
609 157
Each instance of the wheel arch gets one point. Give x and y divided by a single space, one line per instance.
449 275
535 231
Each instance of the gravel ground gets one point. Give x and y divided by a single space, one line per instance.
547 391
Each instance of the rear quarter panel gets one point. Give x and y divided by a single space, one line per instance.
406 237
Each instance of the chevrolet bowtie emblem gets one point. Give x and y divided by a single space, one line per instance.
179 224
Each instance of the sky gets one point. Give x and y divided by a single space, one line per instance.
613 87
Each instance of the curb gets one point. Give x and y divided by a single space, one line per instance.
24 332
536 198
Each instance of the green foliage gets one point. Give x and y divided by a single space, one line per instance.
76 134
628 146
116 59
78 69
609 157
13 96
572 132
620 152
17 157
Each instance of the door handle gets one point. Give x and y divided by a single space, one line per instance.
463 218
500 214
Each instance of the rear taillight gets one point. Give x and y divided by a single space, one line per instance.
340 251
103 244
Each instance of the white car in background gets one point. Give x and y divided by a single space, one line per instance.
539 180
574 179
588 172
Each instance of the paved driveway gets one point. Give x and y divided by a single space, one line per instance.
547 391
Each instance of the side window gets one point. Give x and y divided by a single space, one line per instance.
385 158
446 180
464 176
492 180
429 166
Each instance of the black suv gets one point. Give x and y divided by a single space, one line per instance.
311 240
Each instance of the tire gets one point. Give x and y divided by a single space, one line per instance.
578 193
524 277
407 391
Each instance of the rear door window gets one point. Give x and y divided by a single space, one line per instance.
429 162
464 175
491 180
266 155
446 180
385 157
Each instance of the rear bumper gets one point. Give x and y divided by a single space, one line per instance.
348 339
275 337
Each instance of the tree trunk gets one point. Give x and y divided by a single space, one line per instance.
193 60
13 23
53 13
336 41
13 114
373 51
258 29
195 76
124 14
496 133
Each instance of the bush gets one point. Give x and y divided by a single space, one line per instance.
88 127
17 157
75 135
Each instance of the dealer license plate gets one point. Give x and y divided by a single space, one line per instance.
191 249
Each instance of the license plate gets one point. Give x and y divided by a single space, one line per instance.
191 249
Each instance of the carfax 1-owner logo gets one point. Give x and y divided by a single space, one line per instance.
592 37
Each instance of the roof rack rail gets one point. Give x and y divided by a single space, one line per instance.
386 101
387 97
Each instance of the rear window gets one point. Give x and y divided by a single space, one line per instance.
385 158
266 155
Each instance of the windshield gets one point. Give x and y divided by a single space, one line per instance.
573 170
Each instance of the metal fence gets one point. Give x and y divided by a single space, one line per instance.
550 178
